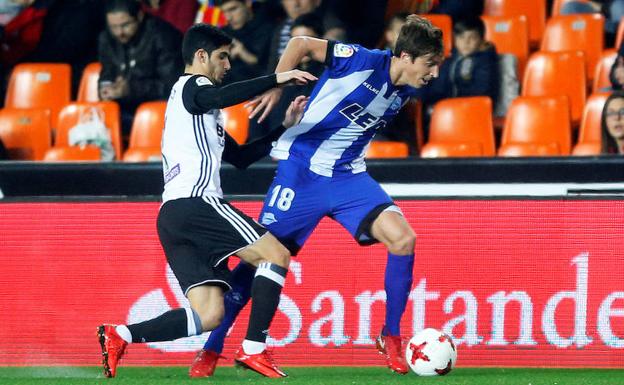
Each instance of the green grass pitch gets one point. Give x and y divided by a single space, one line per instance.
309 376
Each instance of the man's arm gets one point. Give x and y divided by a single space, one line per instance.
199 96
243 156
297 48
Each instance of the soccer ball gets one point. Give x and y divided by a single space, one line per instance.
431 353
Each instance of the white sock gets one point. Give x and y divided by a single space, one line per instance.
253 347
124 333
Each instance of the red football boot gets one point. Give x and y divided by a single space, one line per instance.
113 348
204 364
261 363
391 348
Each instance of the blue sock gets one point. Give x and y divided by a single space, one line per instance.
398 283
234 301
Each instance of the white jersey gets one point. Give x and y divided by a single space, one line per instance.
192 144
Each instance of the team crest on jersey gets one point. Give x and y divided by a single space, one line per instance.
343 50
202 81
396 103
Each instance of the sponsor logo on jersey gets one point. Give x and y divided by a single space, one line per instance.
202 81
371 88
343 50
175 171
268 219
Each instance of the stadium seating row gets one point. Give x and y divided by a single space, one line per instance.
20 126
535 126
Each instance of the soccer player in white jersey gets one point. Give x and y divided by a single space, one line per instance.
197 228
321 171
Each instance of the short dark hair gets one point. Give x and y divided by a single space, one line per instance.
418 37
309 20
131 7
202 36
469 24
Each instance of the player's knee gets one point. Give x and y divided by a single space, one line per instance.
278 255
403 244
210 319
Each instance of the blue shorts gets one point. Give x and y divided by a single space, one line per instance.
298 199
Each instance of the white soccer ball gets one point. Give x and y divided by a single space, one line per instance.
431 353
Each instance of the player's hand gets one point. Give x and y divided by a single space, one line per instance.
297 77
263 103
295 111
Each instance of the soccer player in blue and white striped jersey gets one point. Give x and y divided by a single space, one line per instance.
321 170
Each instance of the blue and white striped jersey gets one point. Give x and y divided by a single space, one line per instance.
353 98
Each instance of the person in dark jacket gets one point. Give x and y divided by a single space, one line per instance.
140 56
249 54
472 69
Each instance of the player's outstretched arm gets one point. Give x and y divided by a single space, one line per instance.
202 97
297 48
242 156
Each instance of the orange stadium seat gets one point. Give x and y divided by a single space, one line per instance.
558 4
510 34
589 141
88 89
387 149
557 73
25 132
146 133
584 32
445 23
603 69
619 35
237 122
70 116
537 126
461 127
40 85
534 10
73 154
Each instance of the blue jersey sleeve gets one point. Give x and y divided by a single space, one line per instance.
348 58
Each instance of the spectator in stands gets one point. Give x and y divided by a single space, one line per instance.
249 54
140 56
472 69
361 21
179 13
333 28
617 70
459 9
393 28
613 11
612 124
311 25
